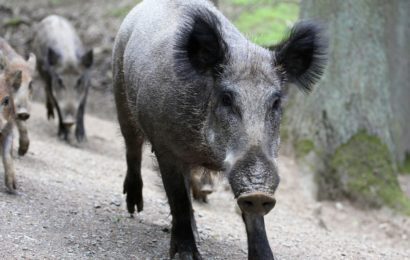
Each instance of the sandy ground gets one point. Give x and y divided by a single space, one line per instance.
70 206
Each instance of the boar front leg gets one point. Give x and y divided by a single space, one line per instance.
63 132
24 141
49 93
176 187
258 245
50 108
9 175
79 128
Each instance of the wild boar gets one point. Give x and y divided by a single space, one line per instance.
7 117
22 89
187 81
202 184
64 64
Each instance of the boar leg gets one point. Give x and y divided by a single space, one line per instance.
45 74
50 108
62 131
24 141
183 222
258 245
134 139
9 175
79 128
133 182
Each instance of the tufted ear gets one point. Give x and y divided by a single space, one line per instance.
200 46
52 57
87 59
15 79
302 56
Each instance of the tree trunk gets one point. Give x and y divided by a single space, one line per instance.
354 129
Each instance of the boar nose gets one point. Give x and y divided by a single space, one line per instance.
258 203
23 116
68 122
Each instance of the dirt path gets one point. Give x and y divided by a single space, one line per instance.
70 206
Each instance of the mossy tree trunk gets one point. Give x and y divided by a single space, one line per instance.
354 129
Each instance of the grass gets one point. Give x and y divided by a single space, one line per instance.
265 22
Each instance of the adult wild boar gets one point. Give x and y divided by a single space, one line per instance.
22 72
64 64
6 125
187 81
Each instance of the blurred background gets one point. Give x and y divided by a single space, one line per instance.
348 142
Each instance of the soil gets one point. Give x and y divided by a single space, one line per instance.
70 203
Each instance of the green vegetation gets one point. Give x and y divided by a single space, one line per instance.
14 22
405 165
304 147
266 22
120 12
56 2
365 173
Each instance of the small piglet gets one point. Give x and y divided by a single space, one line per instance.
21 71
64 64
6 125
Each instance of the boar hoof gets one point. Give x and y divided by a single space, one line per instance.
134 195
11 186
23 148
185 249
50 114
80 136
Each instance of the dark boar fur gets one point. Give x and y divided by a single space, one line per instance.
187 81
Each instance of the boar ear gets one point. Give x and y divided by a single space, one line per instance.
302 57
32 61
15 79
87 59
52 57
200 46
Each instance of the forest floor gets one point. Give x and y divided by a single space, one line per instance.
70 203
70 206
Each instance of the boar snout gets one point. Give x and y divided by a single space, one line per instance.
23 114
254 178
258 203
68 122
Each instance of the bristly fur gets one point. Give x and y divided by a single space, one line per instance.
303 55
199 45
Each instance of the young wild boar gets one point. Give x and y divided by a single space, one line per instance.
187 81
22 71
6 125
64 64
202 183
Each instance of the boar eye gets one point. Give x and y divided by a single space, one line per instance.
59 82
226 99
5 101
